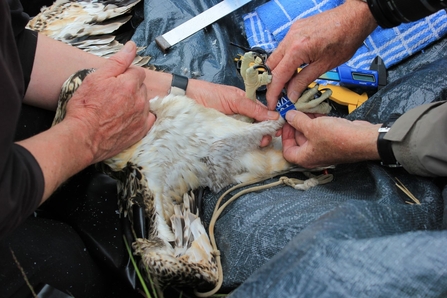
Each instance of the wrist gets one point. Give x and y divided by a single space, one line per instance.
360 9
384 146
367 145
61 152
178 85
79 140
157 83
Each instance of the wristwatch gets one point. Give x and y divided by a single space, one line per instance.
384 146
178 85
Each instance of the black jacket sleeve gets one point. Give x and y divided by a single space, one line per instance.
21 178
26 40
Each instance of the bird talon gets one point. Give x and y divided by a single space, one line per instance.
254 73
312 101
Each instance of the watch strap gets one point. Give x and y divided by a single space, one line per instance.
384 146
178 85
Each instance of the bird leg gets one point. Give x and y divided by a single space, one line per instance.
250 72
313 102
255 74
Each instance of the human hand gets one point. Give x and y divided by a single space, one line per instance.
230 100
324 141
112 107
322 41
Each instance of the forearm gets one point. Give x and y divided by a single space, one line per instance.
326 140
60 60
349 142
61 152
363 20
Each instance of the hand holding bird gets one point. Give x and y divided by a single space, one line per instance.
112 106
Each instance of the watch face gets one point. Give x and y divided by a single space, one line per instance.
384 129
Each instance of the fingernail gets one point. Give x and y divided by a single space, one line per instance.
128 47
290 114
293 96
272 115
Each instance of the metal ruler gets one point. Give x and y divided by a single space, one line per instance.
198 22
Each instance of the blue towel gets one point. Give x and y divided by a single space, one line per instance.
268 24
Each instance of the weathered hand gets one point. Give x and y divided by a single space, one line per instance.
324 141
322 41
228 100
112 107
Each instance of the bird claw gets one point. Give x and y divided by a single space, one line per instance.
250 71
313 101
256 74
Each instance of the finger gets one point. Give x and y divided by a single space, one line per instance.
300 138
143 94
278 132
120 62
301 80
292 151
135 76
266 140
150 115
288 141
255 110
150 121
288 132
297 119
280 76
294 129
275 57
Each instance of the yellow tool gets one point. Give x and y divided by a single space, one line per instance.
344 96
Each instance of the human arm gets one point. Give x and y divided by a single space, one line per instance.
31 169
108 113
50 54
418 140
322 41
324 141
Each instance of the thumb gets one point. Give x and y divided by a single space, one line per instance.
120 62
297 119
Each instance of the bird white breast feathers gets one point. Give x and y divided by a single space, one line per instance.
189 146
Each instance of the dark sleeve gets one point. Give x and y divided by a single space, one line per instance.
21 178
26 40
420 141
21 188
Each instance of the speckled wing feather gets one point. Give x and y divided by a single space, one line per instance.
88 25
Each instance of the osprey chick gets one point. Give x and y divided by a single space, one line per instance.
188 147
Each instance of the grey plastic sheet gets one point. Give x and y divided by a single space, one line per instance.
353 237
205 55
